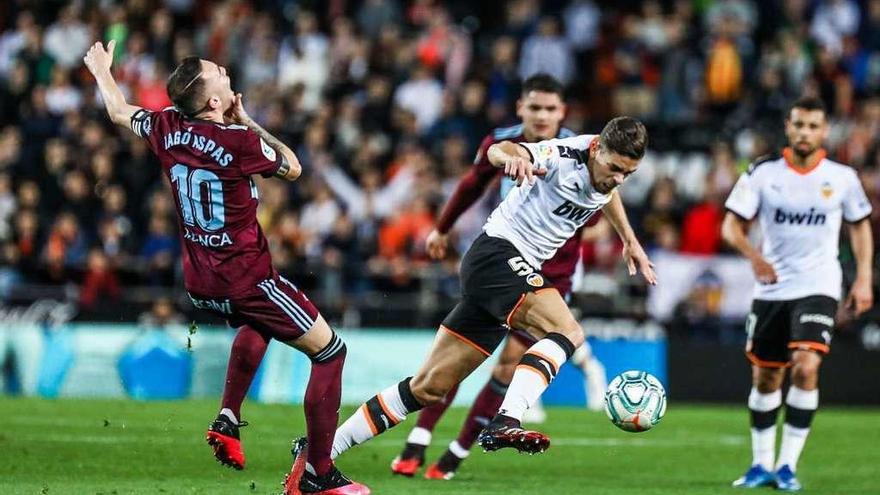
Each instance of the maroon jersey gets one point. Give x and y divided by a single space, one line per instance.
560 268
210 165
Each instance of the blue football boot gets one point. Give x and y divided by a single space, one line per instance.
786 480
755 477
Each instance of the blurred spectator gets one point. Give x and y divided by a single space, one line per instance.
159 251
7 206
318 217
582 18
302 58
834 20
375 14
100 285
547 51
68 38
161 315
66 247
422 95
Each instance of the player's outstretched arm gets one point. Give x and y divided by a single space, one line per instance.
633 253
861 296
98 60
290 168
515 160
735 232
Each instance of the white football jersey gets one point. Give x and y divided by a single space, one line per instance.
800 213
537 219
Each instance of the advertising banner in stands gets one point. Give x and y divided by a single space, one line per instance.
719 285
109 360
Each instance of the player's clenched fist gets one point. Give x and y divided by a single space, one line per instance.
97 59
436 244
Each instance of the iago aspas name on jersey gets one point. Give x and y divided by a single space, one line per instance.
199 143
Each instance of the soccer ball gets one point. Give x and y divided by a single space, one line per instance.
635 401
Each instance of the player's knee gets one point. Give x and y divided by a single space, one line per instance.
767 382
804 372
335 349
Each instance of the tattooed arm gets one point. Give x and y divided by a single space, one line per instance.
290 168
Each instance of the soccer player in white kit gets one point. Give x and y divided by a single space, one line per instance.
562 182
799 200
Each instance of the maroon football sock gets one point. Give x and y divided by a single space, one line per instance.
321 403
429 416
484 409
247 352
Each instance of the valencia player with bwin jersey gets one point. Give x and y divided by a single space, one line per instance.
209 148
542 109
562 182
799 200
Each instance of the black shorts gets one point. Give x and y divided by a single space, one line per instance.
775 328
494 280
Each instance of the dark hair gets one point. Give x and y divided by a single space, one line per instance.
808 103
625 136
543 82
185 86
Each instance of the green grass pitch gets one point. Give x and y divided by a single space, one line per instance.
121 447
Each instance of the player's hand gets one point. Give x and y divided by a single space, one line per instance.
861 296
764 271
436 244
520 169
637 261
237 114
97 59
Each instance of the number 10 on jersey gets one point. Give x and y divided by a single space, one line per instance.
200 194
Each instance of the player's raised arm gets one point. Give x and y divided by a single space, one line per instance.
98 60
633 253
290 168
515 160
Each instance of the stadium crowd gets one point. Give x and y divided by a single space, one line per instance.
385 102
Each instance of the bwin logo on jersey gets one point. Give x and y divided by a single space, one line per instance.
574 212
808 218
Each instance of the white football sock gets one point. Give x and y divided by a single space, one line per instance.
793 437
378 414
764 440
419 436
537 368
229 414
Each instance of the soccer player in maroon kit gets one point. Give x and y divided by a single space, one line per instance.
541 108
209 148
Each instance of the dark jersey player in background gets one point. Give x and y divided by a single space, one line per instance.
542 109
209 148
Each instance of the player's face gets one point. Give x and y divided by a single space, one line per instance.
541 113
610 169
806 130
218 88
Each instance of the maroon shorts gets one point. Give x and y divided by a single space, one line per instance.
280 310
